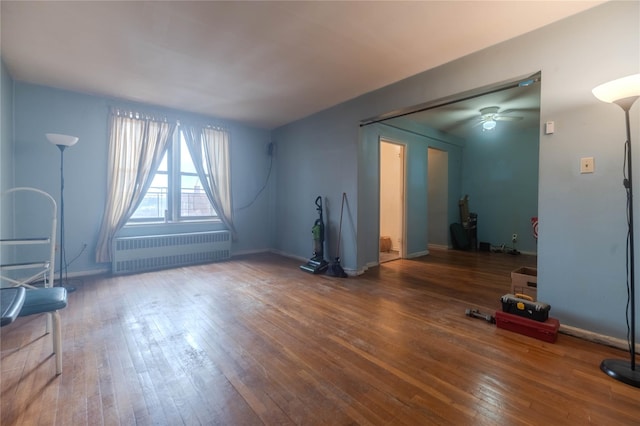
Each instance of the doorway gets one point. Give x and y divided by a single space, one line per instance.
392 201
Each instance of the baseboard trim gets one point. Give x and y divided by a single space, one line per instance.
289 255
248 252
417 254
591 336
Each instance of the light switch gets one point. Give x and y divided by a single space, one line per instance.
549 127
587 165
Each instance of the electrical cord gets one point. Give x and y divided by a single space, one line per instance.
627 185
84 246
66 265
263 186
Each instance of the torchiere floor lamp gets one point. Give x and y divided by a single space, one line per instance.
624 92
62 142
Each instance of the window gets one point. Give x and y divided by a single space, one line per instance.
176 192
138 144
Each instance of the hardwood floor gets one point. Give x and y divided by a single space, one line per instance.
257 341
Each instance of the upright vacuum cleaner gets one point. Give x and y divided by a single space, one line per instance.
317 264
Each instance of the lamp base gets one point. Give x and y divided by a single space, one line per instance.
621 370
69 288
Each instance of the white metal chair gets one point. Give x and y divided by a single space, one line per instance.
29 264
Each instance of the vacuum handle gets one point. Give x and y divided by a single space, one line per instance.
319 202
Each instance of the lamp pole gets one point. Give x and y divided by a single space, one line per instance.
632 268
62 251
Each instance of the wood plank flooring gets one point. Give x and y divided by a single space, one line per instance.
256 341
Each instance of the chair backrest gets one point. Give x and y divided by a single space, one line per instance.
23 204
28 214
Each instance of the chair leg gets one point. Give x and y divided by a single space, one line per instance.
57 341
49 321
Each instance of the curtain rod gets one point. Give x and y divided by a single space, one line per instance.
151 113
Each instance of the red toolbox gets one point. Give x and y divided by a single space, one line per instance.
546 331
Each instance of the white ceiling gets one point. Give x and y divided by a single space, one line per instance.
261 63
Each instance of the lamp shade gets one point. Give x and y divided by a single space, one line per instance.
64 140
623 91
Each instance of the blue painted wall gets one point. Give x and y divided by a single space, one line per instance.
39 110
6 128
582 226
6 158
500 175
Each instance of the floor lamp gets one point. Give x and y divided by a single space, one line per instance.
624 92
62 142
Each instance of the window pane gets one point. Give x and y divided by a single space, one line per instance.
186 163
155 201
163 164
194 201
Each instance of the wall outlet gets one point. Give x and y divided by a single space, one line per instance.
514 237
587 165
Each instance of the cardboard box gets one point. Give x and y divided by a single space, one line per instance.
524 280
385 244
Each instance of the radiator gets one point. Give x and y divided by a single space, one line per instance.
147 253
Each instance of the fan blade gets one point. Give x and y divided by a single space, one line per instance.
519 111
506 118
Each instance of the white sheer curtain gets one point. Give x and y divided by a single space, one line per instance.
209 149
136 146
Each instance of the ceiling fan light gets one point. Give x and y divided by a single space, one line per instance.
489 125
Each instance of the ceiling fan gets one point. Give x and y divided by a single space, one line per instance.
489 116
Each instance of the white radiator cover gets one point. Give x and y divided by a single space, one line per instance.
147 253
